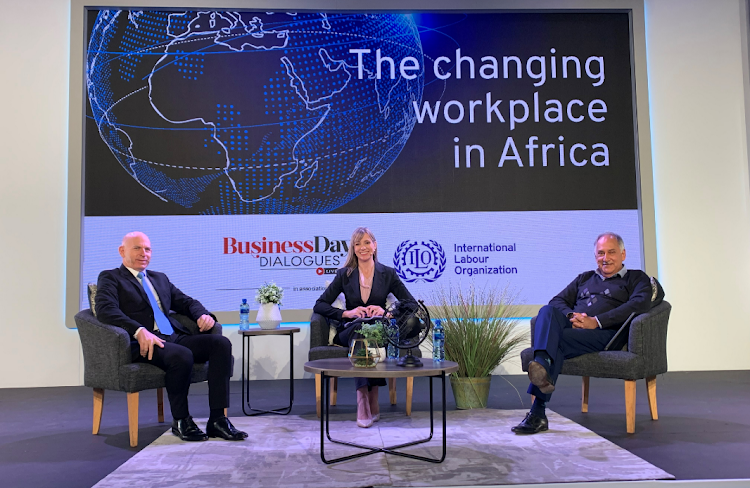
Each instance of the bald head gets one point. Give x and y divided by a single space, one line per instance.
135 250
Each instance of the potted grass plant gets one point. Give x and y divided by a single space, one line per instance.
481 332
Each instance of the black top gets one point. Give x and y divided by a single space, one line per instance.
610 300
122 301
384 281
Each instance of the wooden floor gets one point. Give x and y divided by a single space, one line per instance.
703 431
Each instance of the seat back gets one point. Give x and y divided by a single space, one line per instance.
105 350
320 329
648 338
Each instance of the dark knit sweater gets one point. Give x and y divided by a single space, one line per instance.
611 300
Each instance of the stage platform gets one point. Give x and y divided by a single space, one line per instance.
703 431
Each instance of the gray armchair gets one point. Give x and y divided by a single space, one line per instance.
107 365
320 349
643 357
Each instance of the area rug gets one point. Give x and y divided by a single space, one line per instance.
285 451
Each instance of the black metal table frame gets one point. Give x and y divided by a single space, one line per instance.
246 378
325 432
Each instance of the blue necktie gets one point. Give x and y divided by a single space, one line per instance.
165 327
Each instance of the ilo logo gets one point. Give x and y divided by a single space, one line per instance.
419 261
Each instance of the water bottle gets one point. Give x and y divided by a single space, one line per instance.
391 351
438 342
244 315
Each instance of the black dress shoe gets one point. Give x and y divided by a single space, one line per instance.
539 377
186 430
223 428
532 424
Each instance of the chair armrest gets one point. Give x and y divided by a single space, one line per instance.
105 349
648 338
531 330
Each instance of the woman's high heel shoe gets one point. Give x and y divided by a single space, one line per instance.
374 406
364 417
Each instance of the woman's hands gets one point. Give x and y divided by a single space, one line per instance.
363 312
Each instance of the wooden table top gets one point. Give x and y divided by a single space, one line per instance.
257 331
342 367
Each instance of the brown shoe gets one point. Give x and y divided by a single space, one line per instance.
539 377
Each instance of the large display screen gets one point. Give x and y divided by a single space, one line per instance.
485 147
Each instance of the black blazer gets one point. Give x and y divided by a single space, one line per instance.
121 301
384 281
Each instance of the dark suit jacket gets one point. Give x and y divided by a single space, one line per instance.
121 301
384 281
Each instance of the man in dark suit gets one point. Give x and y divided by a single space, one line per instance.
140 303
583 318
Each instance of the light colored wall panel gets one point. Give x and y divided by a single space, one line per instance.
698 132
37 349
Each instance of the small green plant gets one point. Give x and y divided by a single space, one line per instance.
373 332
371 335
269 293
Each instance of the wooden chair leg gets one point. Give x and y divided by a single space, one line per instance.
651 392
160 404
334 390
585 394
409 393
98 406
225 412
630 406
133 418
532 399
318 391
392 390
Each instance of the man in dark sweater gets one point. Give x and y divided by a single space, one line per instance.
582 318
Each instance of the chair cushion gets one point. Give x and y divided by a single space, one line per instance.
140 376
91 289
604 364
657 292
327 352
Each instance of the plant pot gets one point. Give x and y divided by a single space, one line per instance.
364 353
471 392
269 316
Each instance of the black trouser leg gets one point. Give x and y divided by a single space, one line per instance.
217 350
368 382
177 363
554 334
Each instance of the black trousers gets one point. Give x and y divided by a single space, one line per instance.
554 334
176 359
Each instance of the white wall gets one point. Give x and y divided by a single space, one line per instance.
698 130
700 161
37 350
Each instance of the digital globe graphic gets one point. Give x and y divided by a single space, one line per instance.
252 113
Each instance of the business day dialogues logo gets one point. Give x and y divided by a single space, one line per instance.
419 261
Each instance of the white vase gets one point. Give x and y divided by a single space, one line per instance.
269 316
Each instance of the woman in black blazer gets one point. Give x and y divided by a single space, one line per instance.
365 284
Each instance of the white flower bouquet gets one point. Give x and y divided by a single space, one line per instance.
269 293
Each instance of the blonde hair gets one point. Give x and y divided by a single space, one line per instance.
351 259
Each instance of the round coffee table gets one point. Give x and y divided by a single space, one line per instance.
342 368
